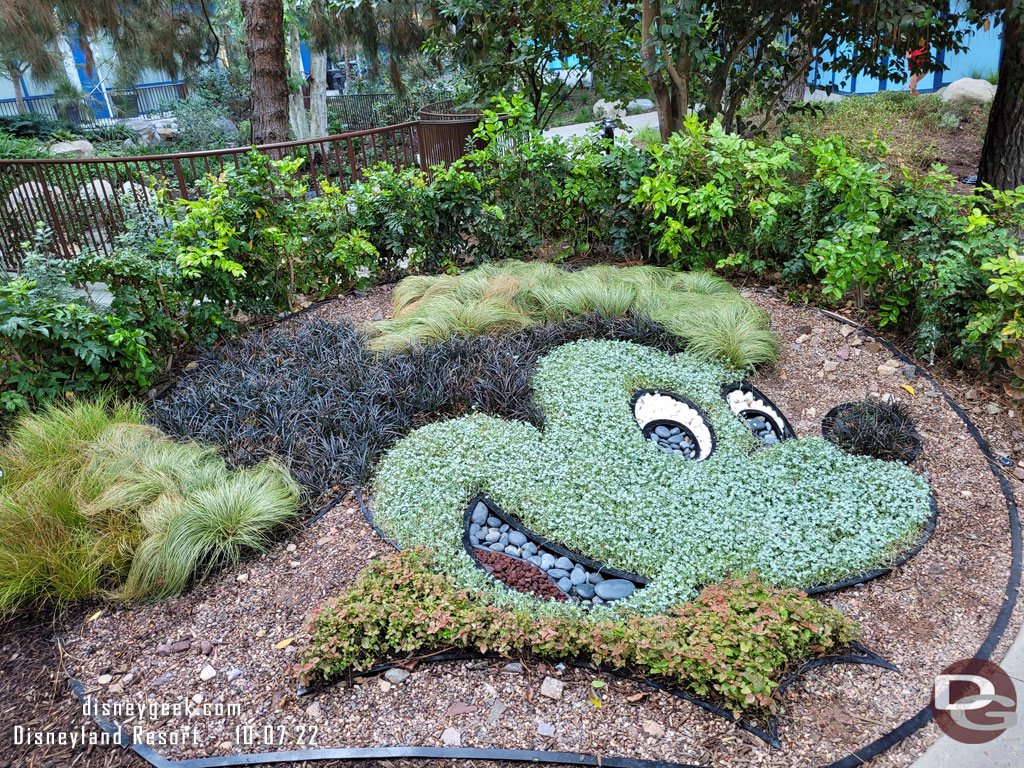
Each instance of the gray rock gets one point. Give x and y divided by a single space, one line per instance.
512 668
551 687
662 431
910 371
640 105
479 513
585 591
564 584
614 589
512 551
492 536
503 540
225 127
529 547
595 577
79 148
969 90
234 674
612 109
516 539
578 576
547 560
545 729
564 563
396 675
474 529
181 645
557 573
498 547
494 522
504 528
535 560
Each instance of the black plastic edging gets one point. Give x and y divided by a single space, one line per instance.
788 433
540 541
923 717
685 401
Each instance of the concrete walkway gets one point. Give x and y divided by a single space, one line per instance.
579 129
1007 751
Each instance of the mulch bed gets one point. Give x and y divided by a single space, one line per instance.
937 608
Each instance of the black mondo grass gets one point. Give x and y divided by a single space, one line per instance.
874 428
317 397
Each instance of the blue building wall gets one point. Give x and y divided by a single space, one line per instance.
980 59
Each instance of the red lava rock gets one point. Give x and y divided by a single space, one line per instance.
519 575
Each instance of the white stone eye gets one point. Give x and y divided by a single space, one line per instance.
761 415
674 424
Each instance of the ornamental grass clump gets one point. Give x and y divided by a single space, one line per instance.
732 643
703 310
95 502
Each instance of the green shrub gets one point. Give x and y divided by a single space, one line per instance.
20 148
734 642
94 502
31 125
56 342
715 199
703 310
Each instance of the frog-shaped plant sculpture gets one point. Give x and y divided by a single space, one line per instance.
709 494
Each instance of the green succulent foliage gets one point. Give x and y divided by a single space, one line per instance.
800 513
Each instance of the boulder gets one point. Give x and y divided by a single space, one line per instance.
148 135
640 105
97 189
29 191
969 90
604 109
137 192
166 132
80 148
225 127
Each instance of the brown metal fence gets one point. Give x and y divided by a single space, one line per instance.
83 200
446 132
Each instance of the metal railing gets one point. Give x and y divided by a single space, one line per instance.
83 201
359 111
103 107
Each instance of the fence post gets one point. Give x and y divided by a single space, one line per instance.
58 230
181 179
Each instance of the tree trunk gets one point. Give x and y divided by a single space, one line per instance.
318 93
14 73
670 101
1002 157
264 48
296 106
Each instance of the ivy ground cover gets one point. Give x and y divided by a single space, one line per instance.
800 513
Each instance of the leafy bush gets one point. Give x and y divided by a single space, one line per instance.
734 642
93 502
20 148
31 125
715 198
239 242
704 311
800 513
56 342
873 428
316 396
